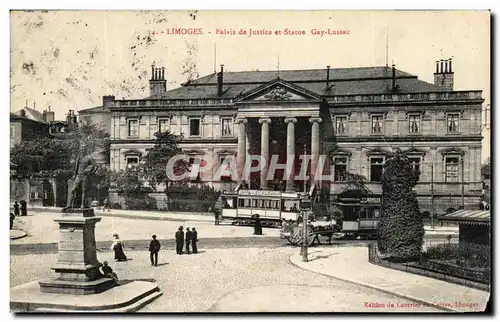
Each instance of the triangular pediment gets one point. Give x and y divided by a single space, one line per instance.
279 90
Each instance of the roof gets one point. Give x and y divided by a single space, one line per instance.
96 109
343 81
32 114
468 216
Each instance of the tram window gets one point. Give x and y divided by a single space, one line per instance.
260 203
376 213
247 203
254 203
241 203
266 204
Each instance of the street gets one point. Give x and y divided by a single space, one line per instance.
234 270
233 279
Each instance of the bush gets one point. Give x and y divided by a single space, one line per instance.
401 227
469 254
140 204
450 210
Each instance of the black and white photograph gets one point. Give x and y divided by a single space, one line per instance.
218 161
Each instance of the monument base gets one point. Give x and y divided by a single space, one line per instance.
76 287
120 299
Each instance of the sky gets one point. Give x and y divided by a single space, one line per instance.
70 59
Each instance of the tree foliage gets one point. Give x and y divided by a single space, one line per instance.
53 156
126 183
486 169
156 160
401 228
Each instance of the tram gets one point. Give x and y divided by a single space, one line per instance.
359 216
273 207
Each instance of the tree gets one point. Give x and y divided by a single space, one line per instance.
126 183
486 169
54 156
156 160
401 227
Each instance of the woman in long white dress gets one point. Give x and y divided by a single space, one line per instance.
117 247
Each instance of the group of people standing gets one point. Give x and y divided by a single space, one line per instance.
190 238
20 209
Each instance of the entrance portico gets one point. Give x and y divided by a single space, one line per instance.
269 132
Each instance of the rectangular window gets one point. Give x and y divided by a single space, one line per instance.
225 173
415 163
376 169
132 161
227 126
194 163
452 168
340 125
340 169
163 125
414 125
133 127
452 122
377 124
194 127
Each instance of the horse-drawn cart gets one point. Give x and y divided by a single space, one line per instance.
294 231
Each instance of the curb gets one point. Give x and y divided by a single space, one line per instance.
19 234
407 297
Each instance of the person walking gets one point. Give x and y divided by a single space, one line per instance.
105 205
179 240
12 220
16 209
24 208
154 248
194 240
189 237
117 247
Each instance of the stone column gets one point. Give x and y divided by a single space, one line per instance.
242 144
290 151
264 151
315 121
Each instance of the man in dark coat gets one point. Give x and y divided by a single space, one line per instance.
154 248
189 237
194 240
24 208
12 220
257 229
179 240
16 209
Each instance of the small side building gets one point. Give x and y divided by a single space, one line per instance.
474 225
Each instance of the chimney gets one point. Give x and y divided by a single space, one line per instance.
48 116
69 117
220 81
108 100
393 77
443 76
157 83
327 77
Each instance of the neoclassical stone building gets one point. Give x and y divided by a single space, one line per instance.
353 115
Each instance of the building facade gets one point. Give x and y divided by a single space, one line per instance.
353 116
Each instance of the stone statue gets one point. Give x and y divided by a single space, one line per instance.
85 167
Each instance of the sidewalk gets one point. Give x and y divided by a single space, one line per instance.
351 264
140 214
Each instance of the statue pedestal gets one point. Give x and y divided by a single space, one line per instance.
77 265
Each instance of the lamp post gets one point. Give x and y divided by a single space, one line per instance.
305 206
